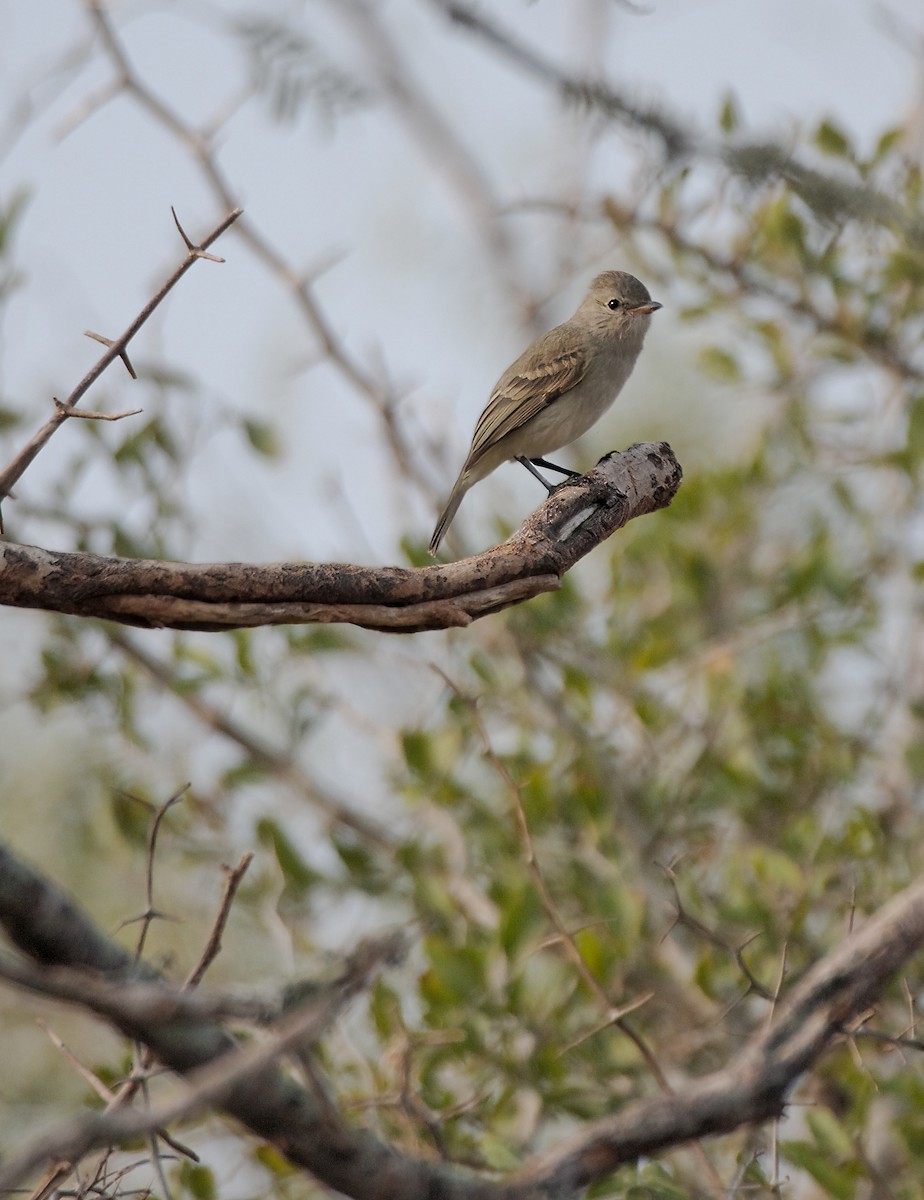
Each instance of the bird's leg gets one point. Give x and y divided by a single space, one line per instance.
528 464
549 487
550 466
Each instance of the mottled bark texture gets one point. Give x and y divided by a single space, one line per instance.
213 596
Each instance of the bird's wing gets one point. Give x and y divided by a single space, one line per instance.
521 393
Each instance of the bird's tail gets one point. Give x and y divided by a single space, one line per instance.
462 485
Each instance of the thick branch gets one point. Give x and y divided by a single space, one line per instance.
753 1088
215 596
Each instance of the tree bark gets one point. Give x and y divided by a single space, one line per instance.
215 596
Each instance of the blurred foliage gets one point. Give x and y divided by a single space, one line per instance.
713 729
289 69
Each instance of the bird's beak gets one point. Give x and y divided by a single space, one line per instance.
646 309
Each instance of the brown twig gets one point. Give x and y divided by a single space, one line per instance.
212 948
754 162
113 1100
682 916
115 349
441 146
130 1087
217 1074
150 913
749 280
87 414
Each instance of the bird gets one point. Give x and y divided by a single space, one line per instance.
559 387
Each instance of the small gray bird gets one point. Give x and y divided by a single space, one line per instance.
559 387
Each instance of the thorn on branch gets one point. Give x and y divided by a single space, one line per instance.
194 250
683 917
123 353
86 414
115 349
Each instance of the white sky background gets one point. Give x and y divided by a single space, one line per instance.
409 285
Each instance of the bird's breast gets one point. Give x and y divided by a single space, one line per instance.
570 415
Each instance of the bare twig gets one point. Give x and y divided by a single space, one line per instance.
233 878
98 337
443 148
133 1006
113 1101
572 87
150 913
684 917
89 1077
116 349
749 280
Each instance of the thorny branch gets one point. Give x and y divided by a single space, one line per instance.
247 1084
115 349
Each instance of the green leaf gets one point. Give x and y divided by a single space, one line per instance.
197 1180
248 770
416 551
298 875
133 820
10 215
385 1007
262 437
719 364
497 1154
273 1161
905 266
890 139
729 116
359 861
832 140
782 228
837 1180
829 1133
418 752
318 639
521 913
455 975
914 758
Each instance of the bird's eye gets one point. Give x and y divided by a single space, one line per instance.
614 303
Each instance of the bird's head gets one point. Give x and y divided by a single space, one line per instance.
618 301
